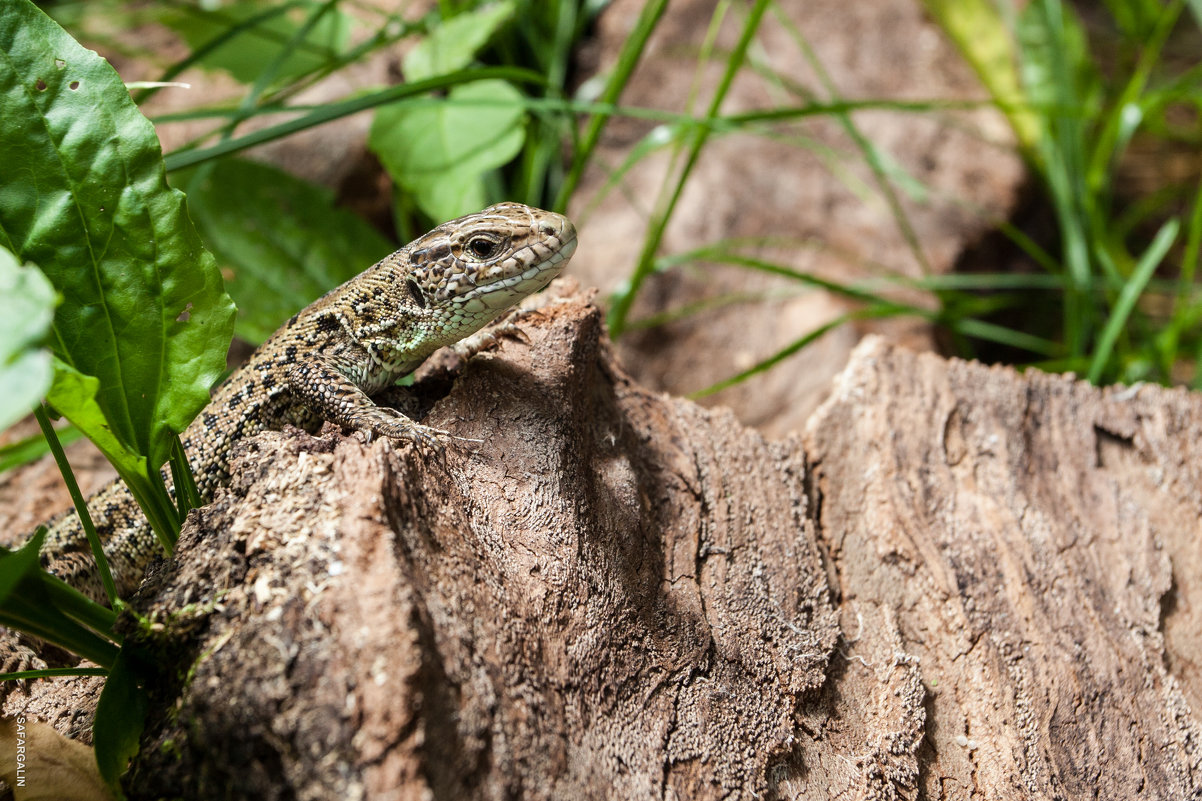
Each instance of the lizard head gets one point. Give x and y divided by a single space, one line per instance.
481 264
451 283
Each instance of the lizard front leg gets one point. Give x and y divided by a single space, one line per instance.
333 396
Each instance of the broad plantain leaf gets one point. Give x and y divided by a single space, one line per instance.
73 395
31 600
246 38
281 240
120 718
440 152
26 311
453 44
19 565
83 194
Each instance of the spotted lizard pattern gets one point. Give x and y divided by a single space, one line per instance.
328 361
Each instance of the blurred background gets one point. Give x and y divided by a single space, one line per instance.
757 184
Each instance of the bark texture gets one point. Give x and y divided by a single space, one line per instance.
615 595
1029 547
960 583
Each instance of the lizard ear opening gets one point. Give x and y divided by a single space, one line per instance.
415 292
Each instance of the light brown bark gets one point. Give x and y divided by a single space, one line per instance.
616 594
1028 546
960 583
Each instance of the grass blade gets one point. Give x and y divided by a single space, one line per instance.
628 58
1130 294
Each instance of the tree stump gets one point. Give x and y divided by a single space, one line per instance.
959 583
1028 546
615 594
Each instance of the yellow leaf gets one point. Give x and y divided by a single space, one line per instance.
39 764
980 33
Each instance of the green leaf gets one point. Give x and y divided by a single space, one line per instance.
244 39
1056 69
120 718
35 602
16 566
143 309
73 395
439 152
453 44
281 240
26 310
33 448
1130 293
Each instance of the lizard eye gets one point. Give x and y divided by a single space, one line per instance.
416 292
483 247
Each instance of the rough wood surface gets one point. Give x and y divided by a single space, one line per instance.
1029 546
961 583
617 595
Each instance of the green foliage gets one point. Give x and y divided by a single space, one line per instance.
441 152
455 136
18 566
39 604
454 43
688 151
282 240
628 59
120 718
453 143
1124 276
250 41
143 323
1076 122
26 450
26 310
978 28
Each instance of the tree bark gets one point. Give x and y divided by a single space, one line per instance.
615 594
1028 546
959 583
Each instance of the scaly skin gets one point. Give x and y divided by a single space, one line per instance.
328 360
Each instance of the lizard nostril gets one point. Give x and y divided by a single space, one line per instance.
547 229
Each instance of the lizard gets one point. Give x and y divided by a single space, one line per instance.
329 359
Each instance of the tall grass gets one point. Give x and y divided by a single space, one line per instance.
1120 272
1121 269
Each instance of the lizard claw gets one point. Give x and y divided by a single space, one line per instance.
433 438
488 339
392 424
509 328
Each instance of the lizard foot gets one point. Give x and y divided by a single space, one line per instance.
394 425
488 338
